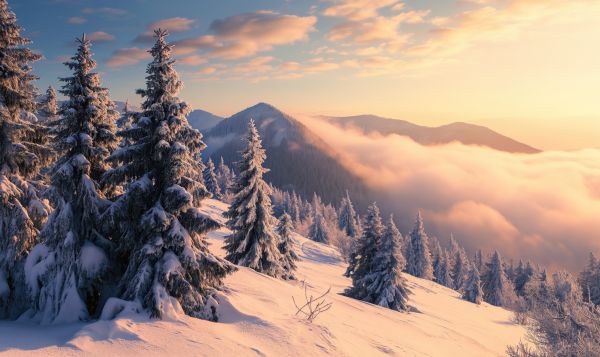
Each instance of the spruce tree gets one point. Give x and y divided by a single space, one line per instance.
385 285
72 268
287 246
210 180
49 106
225 177
472 291
442 274
497 289
459 271
253 243
362 260
347 217
162 249
318 231
419 258
478 260
22 154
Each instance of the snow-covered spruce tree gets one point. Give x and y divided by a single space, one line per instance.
385 284
419 258
362 260
478 260
66 271
210 180
225 177
442 273
166 261
318 231
49 105
287 246
22 155
253 243
347 217
497 289
459 271
589 281
472 287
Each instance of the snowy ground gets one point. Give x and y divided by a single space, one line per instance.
257 319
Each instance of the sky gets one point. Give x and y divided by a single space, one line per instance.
529 69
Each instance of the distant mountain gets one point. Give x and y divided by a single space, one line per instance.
468 134
203 120
298 159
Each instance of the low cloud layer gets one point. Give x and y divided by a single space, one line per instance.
545 206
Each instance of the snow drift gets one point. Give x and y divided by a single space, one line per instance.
257 319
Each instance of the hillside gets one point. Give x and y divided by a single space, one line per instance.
468 134
298 159
257 319
203 120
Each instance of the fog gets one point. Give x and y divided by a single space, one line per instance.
544 206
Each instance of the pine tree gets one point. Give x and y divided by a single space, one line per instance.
210 180
253 243
497 289
74 262
318 231
22 155
347 218
385 284
49 106
362 260
442 274
166 261
589 281
472 291
478 260
287 246
459 271
225 177
419 258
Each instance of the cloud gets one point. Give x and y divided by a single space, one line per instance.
127 56
194 60
76 20
358 9
364 24
106 11
543 206
100 36
247 34
173 25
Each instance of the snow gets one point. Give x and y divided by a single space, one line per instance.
257 319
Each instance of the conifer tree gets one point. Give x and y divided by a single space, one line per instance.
589 281
472 290
225 177
49 106
442 273
362 260
22 155
459 271
162 249
318 231
385 285
478 260
253 242
73 258
347 217
497 289
287 246
210 180
419 257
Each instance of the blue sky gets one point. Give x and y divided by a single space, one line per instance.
526 67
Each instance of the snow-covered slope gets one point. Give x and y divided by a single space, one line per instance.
257 319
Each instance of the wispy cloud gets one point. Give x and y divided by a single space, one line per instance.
247 34
127 56
100 36
76 20
173 25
